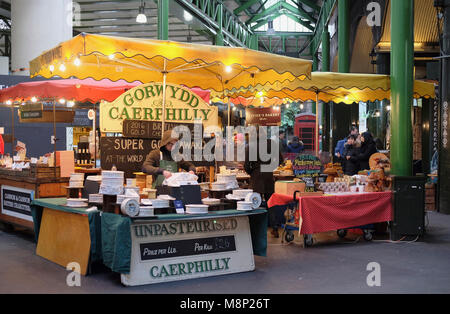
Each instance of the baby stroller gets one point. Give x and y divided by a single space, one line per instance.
292 217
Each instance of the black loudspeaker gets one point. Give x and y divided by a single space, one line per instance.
409 207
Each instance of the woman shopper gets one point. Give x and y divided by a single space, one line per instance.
368 148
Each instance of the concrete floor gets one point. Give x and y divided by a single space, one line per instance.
332 265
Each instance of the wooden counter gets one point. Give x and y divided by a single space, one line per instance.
19 188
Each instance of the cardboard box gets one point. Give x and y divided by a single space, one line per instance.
66 161
289 187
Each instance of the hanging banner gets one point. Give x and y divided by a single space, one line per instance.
144 102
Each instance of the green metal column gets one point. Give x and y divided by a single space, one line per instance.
343 37
326 51
402 80
325 68
254 42
315 66
163 19
219 36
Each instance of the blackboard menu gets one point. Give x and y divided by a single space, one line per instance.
307 168
127 154
152 129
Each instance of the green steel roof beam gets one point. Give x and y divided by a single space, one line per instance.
311 4
298 11
324 16
206 12
286 34
265 21
299 21
244 6
255 18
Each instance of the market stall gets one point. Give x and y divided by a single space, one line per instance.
235 226
325 87
24 178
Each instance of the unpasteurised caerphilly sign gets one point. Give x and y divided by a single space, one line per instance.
145 102
188 248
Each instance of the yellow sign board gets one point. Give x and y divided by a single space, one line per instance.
145 102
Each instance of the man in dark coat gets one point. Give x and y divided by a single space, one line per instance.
368 148
350 154
260 181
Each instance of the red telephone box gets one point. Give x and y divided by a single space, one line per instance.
305 130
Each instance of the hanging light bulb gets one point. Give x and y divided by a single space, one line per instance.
228 69
33 99
388 108
62 67
9 102
62 101
111 56
51 68
141 17
301 106
77 62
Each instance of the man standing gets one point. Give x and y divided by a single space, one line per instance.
283 144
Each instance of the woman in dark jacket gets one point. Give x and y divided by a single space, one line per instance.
350 154
368 148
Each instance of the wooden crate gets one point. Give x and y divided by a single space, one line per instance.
44 172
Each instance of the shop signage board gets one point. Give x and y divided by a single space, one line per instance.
30 114
144 102
152 129
263 116
127 154
307 168
16 202
188 248
47 116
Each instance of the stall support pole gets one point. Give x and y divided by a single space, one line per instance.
317 125
12 130
444 145
343 36
54 138
95 136
164 99
402 79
